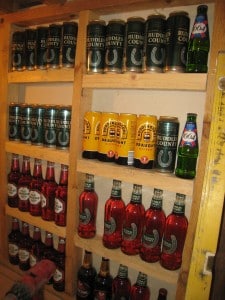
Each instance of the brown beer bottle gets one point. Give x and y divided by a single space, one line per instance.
25 245
37 247
49 251
103 282
59 275
162 294
13 178
24 185
14 238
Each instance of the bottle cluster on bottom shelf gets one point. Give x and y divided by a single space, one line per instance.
101 285
25 251
135 230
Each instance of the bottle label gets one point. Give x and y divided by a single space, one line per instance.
23 255
189 136
59 206
151 240
23 193
44 201
13 249
179 208
130 233
83 289
58 275
33 260
85 217
35 197
109 226
116 192
136 198
156 203
12 190
100 295
200 28
170 245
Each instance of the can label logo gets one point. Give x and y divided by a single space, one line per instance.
108 138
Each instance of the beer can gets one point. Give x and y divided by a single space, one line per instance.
14 121
107 139
18 51
63 125
37 134
91 132
154 52
69 42
114 44
50 126
25 122
177 35
42 48
30 48
134 44
166 145
145 141
125 139
54 45
95 46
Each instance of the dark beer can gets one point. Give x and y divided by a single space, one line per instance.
54 45
25 122
95 46
69 42
30 48
155 43
63 124
37 125
134 44
114 44
49 121
42 48
166 146
14 121
177 35
18 51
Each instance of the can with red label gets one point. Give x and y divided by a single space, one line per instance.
145 141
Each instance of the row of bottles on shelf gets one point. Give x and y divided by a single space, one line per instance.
25 251
32 193
142 141
135 230
91 285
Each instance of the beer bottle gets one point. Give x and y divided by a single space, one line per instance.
49 250
13 178
174 235
114 217
121 284
140 289
154 224
59 275
85 278
162 294
188 149
199 43
25 245
36 248
88 202
103 282
133 223
24 185
13 242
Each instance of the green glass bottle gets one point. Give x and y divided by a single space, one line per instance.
199 43
188 149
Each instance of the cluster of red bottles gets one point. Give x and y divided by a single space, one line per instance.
25 250
41 197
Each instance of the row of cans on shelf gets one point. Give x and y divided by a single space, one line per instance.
47 125
157 44
127 139
50 46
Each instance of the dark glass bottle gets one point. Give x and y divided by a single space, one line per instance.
60 206
133 223
199 43
48 189
140 289
49 250
88 202
154 224
25 245
13 178
188 149
86 278
37 247
14 238
24 185
35 189
59 275
121 284
114 217
103 282
174 235
162 294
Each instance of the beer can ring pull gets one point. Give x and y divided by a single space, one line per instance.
221 84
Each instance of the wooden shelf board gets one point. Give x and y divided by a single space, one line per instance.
135 262
49 154
36 221
165 181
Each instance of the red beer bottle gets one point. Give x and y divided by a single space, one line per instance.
37 247
13 242
60 206
174 235
140 289
133 223
49 251
154 224
35 189
121 284
13 178
24 185
59 275
25 245
103 282
88 202
114 217
48 189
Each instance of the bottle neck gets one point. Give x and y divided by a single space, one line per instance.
89 184
37 169
179 205
25 229
157 199
142 279
87 261
26 166
37 234
136 197
50 171
123 272
49 240
15 224
61 245
63 175
116 189
15 166
104 269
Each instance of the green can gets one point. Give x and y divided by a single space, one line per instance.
14 121
25 122
63 124
49 122
37 125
